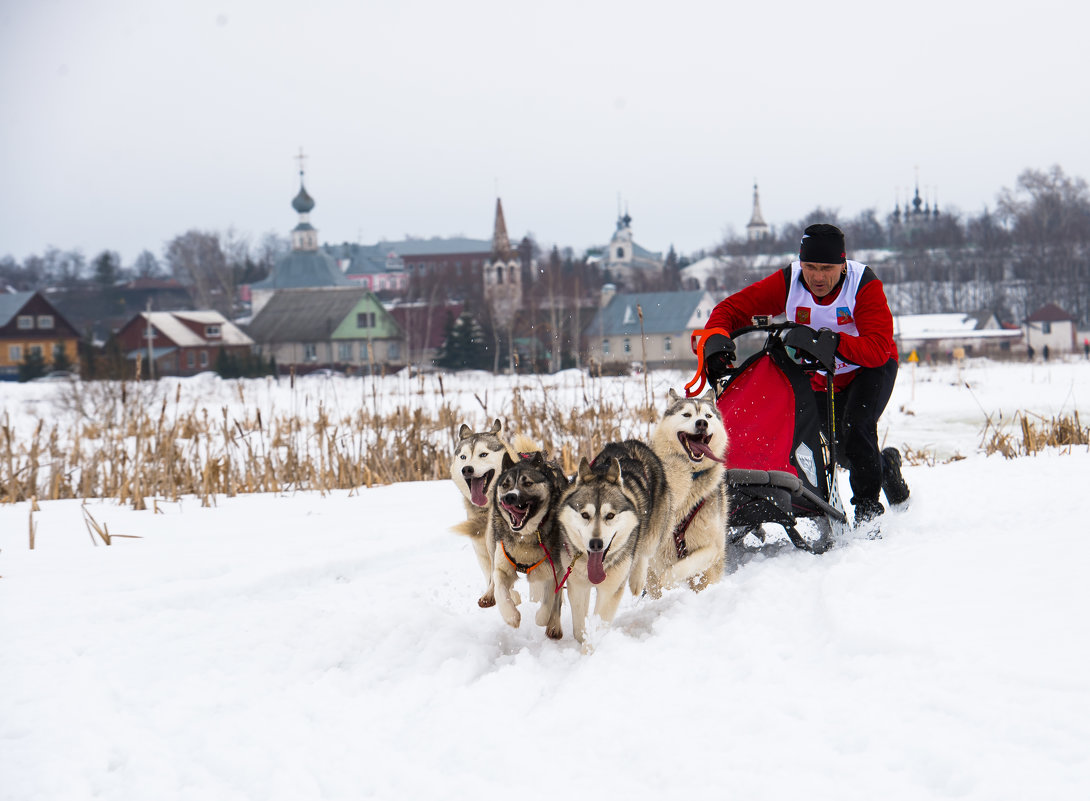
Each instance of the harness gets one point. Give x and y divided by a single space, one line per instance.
527 569
682 527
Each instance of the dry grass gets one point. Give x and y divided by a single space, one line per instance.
120 450
128 444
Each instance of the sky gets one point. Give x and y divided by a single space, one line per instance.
329 646
126 122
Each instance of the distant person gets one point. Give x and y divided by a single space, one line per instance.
1029 353
823 289
1086 348
1044 352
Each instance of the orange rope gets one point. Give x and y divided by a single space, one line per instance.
696 341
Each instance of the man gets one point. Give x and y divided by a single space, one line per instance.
823 289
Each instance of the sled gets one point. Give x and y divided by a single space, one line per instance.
781 461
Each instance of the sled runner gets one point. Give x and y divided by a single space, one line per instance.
782 456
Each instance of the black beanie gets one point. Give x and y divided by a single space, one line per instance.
823 244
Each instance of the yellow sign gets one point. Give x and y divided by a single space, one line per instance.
912 357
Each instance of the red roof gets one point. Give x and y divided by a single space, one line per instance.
1049 313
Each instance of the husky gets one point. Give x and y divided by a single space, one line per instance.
477 463
616 500
691 443
525 531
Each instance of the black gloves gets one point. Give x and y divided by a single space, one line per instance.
819 346
719 351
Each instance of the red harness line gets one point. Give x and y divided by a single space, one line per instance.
528 569
682 527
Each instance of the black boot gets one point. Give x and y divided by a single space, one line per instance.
893 485
867 510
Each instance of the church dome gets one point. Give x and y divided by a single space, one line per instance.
303 202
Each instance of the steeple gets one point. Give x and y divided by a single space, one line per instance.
304 236
501 245
757 228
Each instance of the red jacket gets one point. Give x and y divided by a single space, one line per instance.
872 348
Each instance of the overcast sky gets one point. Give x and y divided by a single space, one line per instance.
125 123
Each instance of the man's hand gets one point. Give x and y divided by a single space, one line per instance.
719 351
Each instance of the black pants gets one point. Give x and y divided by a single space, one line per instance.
858 408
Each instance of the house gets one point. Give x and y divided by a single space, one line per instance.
30 324
939 335
669 318
335 327
1051 326
182 342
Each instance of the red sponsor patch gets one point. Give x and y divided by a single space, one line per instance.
802 315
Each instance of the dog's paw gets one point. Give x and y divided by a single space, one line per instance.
554 632
511 617
486 600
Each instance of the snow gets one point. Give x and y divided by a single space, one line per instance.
330 647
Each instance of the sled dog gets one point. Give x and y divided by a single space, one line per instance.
616 500
524 528
691 443
477 462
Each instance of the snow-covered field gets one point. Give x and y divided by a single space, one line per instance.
309 647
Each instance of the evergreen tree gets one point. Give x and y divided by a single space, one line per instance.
464 346
61 362
33 366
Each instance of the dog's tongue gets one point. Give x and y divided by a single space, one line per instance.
697 446
476 491
596 571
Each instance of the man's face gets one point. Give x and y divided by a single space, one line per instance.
821 278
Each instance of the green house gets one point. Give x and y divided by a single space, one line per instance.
341 328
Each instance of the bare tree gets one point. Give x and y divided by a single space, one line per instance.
196 259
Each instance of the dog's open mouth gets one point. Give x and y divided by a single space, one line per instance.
478 486
518 513
696 446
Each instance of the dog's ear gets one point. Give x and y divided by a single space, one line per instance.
613 474
507 462
674 397
497 427
709 396
585 473
464 432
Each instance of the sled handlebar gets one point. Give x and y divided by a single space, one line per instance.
817 349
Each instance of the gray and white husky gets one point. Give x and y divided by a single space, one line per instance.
477 463
524 528
691 443
616 501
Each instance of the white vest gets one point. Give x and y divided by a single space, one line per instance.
837 316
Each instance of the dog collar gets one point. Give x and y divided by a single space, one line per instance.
524 568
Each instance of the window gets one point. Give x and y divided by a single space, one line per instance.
58 351
34 350
26 322
499 277
605 346
620 255
45 321
393 350
310 352
628 346
667 345
344 351
1046 328
189 360
204 358
15 353
365 320
212 332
